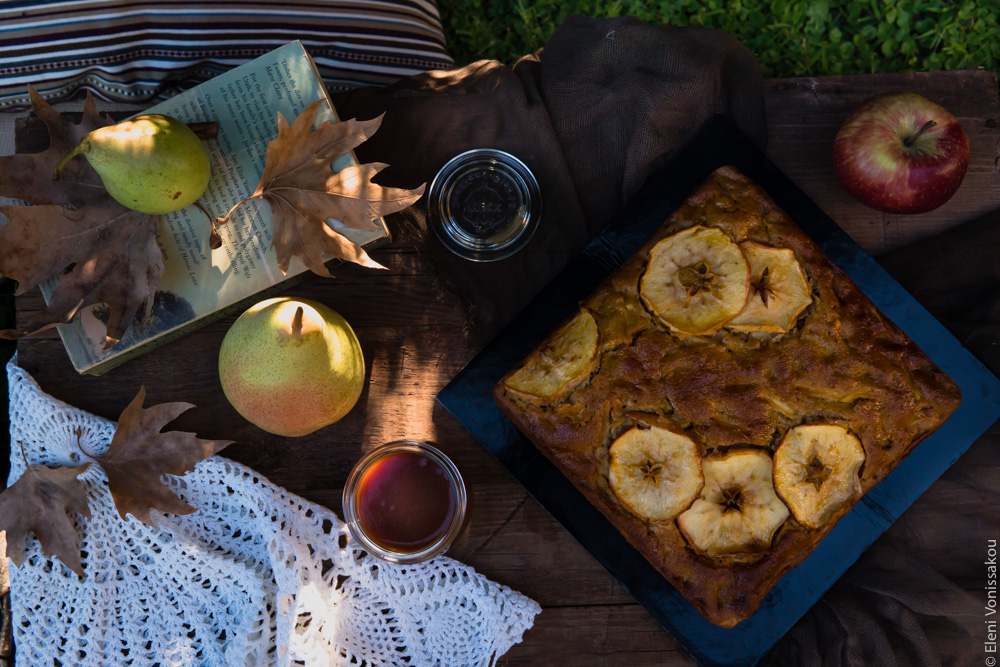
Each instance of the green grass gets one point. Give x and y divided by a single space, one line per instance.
789 37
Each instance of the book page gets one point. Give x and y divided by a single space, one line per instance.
198 281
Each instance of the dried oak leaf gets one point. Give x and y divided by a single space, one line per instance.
107 253
302 191
140 454
40 502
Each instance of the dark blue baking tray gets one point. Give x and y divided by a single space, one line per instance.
469 398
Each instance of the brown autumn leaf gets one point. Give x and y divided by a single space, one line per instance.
40 502
140 454
107 253
302 191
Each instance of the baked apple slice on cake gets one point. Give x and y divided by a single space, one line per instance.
564 362
655 473
696 280
779 290
738 511
816 471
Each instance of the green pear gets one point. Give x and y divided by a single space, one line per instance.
291 366
153 164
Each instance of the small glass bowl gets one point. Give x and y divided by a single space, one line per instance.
484 205
352 515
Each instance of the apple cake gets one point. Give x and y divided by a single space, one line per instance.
725 396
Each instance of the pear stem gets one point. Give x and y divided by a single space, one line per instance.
214 238
223 220
82 147
206 130
908 141
297 323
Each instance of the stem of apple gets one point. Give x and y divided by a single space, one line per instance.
908 141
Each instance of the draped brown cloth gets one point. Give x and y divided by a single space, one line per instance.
593 114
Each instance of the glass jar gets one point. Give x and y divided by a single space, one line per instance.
484 205
405 502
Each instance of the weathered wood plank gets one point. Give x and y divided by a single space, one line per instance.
619 635
804 115
545 561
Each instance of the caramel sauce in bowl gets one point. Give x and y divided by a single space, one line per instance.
405 502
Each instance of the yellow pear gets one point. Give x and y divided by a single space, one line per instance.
153 164
291 366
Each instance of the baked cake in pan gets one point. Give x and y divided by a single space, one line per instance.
726 396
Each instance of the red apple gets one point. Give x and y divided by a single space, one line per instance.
901 153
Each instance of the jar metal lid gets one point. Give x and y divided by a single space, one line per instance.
484 205
351 511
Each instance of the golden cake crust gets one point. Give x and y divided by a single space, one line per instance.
842 362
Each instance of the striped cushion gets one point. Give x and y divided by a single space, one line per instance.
144 51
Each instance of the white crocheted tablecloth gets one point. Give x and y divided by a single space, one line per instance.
257 576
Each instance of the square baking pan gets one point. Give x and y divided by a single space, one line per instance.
469 398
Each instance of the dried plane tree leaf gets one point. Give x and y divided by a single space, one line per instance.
107 253
42 499
29 176
140 454
302 191
112 252
41 502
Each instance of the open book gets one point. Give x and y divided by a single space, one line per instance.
199 284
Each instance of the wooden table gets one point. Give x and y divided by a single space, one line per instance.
413 344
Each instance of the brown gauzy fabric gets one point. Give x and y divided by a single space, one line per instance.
592 115
919 595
